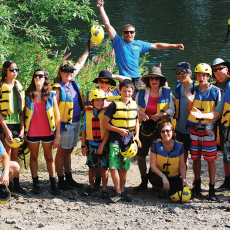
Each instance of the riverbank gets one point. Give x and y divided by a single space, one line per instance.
146 211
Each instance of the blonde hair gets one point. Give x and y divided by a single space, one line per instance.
64 63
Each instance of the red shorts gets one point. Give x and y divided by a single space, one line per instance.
202 144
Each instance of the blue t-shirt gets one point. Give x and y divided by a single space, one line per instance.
2 149
128 55
71 91
95 113
115 137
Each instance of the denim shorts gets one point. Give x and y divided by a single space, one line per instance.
70 136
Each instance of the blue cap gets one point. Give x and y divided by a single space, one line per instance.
183 65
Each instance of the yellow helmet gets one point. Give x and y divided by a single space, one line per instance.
97 34
204 68
96 94
4 194
129 150
182 196
17 142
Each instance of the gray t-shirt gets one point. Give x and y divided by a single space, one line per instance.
182 121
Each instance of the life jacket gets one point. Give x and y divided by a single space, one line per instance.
66 104
226 112
94 125
162 103
29 110
7 104
125 115
214 82
113 90
168 163
205 105
177 97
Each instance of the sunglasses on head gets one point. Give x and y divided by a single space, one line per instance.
38 75
155 78
166 131
219 69
12 69
181 73
127 32
106 82
67 70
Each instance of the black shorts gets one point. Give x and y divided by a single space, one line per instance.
45 139
185 139
14 128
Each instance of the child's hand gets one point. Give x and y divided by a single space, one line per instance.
189 95
21 134
5 179
100 150
123 132
136 138
197 114
83 151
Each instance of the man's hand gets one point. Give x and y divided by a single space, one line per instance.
83 151
198 114
100 3
180 46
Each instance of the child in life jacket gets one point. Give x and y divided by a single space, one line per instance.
94 141
12 102
205 98
121 118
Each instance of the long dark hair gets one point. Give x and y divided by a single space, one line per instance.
6 65
31 91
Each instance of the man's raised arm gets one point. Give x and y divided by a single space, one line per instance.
111 31
162 46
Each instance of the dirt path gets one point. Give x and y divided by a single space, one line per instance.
146 211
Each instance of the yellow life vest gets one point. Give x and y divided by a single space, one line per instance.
29 110
125 115
162 103
94 125
225 119
7 104
168 163
205 105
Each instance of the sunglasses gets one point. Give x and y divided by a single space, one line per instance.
181 73
38 75
127 32
106 82
166 131
67 70
12 69
219 69
155 78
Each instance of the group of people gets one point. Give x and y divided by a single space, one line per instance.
140 112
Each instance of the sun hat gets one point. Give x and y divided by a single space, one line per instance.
219 61
153 71
105 74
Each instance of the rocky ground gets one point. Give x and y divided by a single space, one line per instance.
146 211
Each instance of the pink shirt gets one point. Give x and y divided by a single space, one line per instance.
39 125
151 108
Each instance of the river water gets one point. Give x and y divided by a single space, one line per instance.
201 25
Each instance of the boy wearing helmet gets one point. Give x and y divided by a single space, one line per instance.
94 139
205 97
121 118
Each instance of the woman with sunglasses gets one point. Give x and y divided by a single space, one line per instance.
168 169
71 104
42 111
156 105
12 100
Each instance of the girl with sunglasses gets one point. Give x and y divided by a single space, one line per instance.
156 105
71 104
42 123
12 100
168 169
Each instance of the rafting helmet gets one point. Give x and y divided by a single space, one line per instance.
17 142
129 150
4 194
96 94
182 196
97 34
204 68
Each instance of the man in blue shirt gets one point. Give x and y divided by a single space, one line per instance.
128 50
